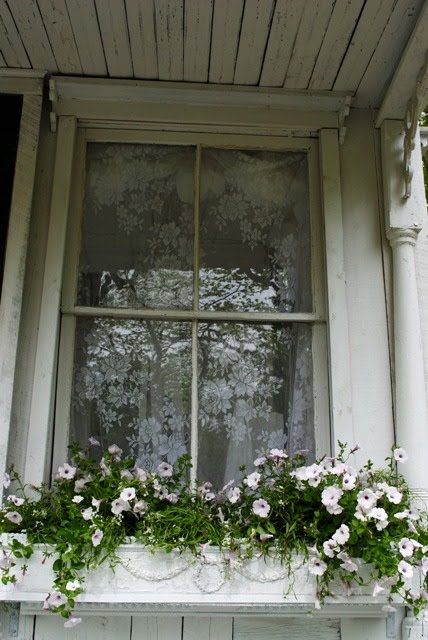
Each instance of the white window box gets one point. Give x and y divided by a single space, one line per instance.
173 581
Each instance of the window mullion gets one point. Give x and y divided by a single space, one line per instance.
194 407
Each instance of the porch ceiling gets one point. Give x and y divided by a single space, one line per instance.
317 45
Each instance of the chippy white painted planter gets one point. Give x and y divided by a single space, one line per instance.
154 578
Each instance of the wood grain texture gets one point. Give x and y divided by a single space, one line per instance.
312 29
84 21
2 60
60 33
11 46
152 628
217 628
364 41
92 628
15 261
197 39
115 38
284 28
142 35
286 629
169 34
30 25
335 43
252 41
390 46
225 39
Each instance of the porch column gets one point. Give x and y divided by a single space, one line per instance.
404 219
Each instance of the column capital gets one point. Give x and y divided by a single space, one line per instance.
403 235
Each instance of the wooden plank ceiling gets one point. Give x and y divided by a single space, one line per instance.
340 45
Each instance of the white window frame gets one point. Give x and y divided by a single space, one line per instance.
91 120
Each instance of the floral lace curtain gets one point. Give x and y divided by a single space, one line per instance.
132 380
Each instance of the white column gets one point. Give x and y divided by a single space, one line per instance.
404 219
410 395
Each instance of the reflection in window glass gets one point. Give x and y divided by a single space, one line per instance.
132 387
255 252
255 394
137 232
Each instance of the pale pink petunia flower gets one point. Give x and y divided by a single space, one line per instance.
93 442
252 481
14 517
125 473
97 536
77 499
331 495
6 480
400 455
165 470
278 453
141 475
127 494
406 547
330 547
96 503
317 567
56 599
140 506
259 461
87 513
115 450
72 622
261 508
349 565
341 535
265 536
335 509
118 505
233 494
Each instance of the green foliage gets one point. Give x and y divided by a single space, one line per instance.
339 519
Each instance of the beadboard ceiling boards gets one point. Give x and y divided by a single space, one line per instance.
341 45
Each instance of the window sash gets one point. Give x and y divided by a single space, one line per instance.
70 311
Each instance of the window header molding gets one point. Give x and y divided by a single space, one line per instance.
190 106
22 81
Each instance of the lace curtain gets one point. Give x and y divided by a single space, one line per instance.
132 381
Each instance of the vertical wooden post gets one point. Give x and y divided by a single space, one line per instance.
338 332
16 254
39 432
404 219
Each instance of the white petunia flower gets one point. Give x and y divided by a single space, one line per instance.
259 461
261 508
72 622
67 472
252 481
73 585
278 453
140 506
115 450
348 481
77 499
233 494
80 484
93 442
425 565
337 468
141 475
335 509
406 547
366 499
349 565
97 536
331 495
165 470
330 547
96 503
127 494
381 516
6 480
56 599
400 455
265 536
317 567
118 505
341 535
14 517
18 502
125 473
394 495
405 569
87 513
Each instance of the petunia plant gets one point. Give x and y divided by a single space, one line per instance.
349 526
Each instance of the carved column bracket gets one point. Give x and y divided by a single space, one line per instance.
415 106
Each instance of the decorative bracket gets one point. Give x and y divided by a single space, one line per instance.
415 106
343 113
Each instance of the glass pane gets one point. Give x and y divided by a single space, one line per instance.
132 386
255 394
137 233
255 251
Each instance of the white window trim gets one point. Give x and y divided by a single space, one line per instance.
43 397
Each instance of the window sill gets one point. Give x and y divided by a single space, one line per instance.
171 582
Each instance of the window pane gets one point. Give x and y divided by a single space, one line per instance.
132 386
255 394
255 251
137 233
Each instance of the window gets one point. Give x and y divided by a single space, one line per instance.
192 305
